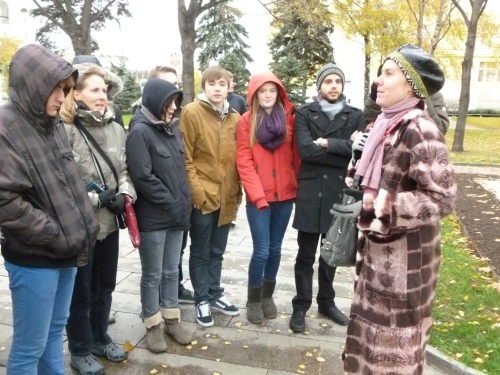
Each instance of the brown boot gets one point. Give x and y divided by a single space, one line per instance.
268 306
154 335
174 328
254 305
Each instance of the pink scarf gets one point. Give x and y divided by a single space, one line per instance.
370 165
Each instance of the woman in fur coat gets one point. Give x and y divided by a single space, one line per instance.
408 186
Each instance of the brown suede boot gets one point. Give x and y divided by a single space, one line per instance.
154 335
268 306
254 305
174 328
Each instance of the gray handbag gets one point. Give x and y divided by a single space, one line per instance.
338 248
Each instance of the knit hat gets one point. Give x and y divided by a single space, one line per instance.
422 72
328 69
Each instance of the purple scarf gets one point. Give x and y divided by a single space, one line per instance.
270 130
370 165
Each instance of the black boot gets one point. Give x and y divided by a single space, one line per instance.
255 314
268 306
334 314
298 321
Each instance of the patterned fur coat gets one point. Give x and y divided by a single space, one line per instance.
399 251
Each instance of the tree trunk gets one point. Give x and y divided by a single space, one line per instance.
463 103
304 88
187 19
81 44
368 62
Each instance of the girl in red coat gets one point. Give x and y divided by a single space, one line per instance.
266 161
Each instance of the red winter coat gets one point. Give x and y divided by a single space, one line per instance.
267 176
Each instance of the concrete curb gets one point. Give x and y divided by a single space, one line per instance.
447 364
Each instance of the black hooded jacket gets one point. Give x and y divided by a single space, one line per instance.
155 158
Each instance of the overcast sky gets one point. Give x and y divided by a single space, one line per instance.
152 34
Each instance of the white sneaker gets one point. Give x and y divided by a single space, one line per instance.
204 314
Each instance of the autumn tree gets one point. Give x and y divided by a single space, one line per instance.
8 46
187 16
472 22
77 19
220 33
298 35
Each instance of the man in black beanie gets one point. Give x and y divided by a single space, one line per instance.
323 132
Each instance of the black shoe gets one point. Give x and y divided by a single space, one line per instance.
298 321
185 295
334 314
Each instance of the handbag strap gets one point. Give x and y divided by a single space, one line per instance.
88 137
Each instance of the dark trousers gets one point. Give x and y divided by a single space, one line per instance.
91 301
304 270
184 244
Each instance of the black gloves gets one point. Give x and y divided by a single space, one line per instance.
105 197
114 202
117 205
358 145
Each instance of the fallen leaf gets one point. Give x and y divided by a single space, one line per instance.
188 347
127 346
237 325
300 372
479 360
278 330
217 359
207 335
302 366
320 359
216 373
194 342
227 343
308 354
496 286
153 371
459 355
164 366
324 325
245 346
312 316
204 347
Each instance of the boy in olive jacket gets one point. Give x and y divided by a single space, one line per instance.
208 127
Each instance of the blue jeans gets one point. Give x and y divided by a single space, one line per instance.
40 309
208 244
92 297
160 253
268 229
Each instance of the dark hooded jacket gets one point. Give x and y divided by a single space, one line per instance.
46 217
155 158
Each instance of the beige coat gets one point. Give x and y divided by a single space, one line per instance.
111 137
210 141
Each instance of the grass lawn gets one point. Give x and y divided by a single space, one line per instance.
480 146
126 120
467 305
484 122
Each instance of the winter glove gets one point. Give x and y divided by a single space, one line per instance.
117 205
351 210
358 145
105 197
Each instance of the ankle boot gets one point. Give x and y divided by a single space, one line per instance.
255 314
174 328
154 335
268 306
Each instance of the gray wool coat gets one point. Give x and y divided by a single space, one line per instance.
322 170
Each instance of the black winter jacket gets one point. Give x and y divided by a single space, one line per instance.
156 165
46 217
322 170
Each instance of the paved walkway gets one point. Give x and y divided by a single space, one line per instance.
232 345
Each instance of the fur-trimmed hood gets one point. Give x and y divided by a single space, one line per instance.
115 84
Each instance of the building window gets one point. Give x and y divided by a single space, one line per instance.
4 13
489 72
